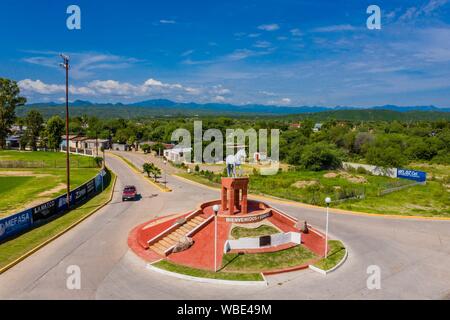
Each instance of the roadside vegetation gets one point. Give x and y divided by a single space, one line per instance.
336 252
258 262
17 247
170 266
262 230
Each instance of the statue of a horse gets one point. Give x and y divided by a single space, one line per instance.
235 161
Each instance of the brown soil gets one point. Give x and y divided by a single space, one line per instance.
303 184
56 189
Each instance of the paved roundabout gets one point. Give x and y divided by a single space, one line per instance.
412 254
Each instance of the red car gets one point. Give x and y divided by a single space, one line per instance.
129 193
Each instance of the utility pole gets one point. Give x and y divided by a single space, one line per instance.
216 211
65 65
327 201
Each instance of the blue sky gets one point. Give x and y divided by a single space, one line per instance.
311 52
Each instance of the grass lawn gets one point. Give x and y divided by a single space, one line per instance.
29 178
432 199
21 188
262 230
15 248
257 262
44 159
335 255
169 266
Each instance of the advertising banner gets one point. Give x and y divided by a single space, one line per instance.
419 176
90 188
79 194
45 210
15 224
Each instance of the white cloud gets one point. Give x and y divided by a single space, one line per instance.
425 10
106 89
164 21
296 32
335 28
83 65
269 27
262 44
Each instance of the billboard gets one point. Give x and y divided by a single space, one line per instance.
15 224
415 175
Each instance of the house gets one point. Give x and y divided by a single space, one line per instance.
317 127
13 142
178 154
295 125
92 144
120 147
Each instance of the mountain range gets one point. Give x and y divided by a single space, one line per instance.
163 105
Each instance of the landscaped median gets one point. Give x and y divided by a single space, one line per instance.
161 187
337 254
17 249
198 273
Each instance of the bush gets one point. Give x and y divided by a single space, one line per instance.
98 161
197 168
320 156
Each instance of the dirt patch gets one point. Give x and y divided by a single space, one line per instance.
303 184
331 175
47 193
356 179
23 174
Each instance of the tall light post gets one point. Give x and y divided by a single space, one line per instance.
165 173
327 201
216 211
65 65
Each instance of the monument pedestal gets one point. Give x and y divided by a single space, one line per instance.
234 195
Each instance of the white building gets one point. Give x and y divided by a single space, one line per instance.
178 155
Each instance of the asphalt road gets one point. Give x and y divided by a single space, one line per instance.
413 255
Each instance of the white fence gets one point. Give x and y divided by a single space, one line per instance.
375 170
254 243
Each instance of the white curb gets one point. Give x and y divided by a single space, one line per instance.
206 280
340 263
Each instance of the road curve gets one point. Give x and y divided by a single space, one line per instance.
413 255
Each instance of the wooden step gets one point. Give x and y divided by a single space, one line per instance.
160 246
185 229
157 250
173 237
192 224
198 219
167 242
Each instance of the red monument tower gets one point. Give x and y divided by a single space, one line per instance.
234 195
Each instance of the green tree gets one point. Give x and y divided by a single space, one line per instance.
9 100
320 156
146 148
34 123
53 132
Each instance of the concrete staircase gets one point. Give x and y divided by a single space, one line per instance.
162 245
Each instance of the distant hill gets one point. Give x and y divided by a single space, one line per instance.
168 108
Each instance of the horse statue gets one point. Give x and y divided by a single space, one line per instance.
235 161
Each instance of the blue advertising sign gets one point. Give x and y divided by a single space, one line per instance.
14 224
419 176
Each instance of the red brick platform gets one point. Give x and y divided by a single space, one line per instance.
155 239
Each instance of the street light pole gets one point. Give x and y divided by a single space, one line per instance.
165 173
216 210
328 201
65 65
